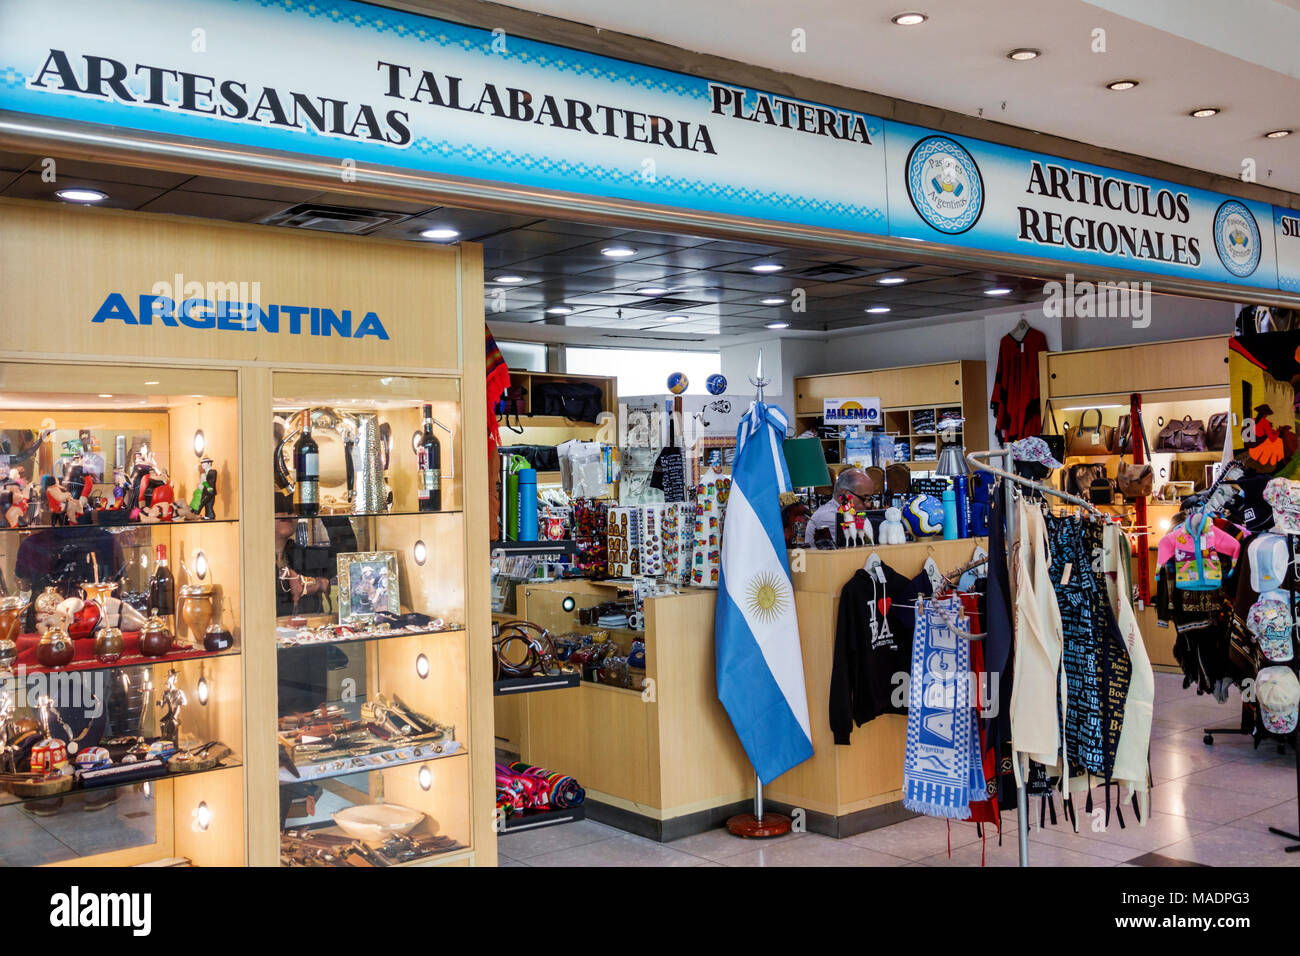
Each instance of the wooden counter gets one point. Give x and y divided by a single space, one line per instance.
846 790
663 763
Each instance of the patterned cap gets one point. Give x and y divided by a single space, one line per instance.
1269 620
1033 449
1278 693
1283 496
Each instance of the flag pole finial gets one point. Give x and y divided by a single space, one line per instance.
757 380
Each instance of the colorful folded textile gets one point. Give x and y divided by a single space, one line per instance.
564 791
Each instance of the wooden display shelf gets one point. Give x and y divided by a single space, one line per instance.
8 798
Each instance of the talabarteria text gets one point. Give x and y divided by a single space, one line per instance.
228 316
542 109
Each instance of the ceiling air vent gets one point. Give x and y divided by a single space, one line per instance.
667 303
342 219
829 272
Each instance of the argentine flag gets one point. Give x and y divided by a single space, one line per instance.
759 661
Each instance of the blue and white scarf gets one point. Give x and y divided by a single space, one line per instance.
942 770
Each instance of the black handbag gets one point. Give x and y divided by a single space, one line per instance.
1054 439
539 457
577 401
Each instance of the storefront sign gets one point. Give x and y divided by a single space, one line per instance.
368 85
992 197
363 85
852 411
1286 226
230 316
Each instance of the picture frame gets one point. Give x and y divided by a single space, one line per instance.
368 585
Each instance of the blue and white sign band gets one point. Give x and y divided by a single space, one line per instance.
352 81
1286 225
991 197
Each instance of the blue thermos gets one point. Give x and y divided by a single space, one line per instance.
949 514
527 504
961 490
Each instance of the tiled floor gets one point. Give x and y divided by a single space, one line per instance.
1210 806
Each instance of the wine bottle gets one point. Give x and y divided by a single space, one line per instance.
306 466
429 463
162 585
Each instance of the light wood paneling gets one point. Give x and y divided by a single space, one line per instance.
912 385
412 287
1159 366
220 844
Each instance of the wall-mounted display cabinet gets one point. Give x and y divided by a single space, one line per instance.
315 687
915 402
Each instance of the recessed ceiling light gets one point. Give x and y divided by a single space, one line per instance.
773 300
508 279
891 280
676 318
559 310
777 325
1277 134
767 267
105 395
1119 85
81 195
618 252
151 383
1024 53
1000 290
442 233
1205 111
650 290
910 19
878 309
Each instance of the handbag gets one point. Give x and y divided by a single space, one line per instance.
1101 491
1054 439
577 401
1216 433
1186 434
1124 435
1078 479
513 401
539 457
1095 440
1133 480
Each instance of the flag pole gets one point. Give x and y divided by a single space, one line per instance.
759 824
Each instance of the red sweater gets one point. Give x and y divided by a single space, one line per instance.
1016 412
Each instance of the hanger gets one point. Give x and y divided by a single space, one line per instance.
980 562
873 567
1021 330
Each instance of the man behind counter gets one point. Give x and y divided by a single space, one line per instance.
852 485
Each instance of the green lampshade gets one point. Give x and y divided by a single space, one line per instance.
807 463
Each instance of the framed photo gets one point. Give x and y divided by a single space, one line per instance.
367 586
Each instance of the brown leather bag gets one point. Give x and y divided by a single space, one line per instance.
1216 433
1133 480
1097 439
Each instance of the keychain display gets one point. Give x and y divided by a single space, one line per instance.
710 505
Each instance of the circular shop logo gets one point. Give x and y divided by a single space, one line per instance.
1236 238
945 185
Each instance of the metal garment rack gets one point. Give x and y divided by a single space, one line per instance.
979 460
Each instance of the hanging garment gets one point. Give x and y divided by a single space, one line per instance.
1202 553
1132 767
941 765
1015 396
983 805
1094 660
997 650
1038 690
873 649
1201 621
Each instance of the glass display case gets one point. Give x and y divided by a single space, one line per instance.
121 717
370 627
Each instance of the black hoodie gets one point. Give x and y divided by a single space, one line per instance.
865 679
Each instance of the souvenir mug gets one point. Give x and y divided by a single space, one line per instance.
56 648
11 614
155 637
47 608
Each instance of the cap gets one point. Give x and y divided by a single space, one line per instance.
1278 693
1033 449
1269 620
